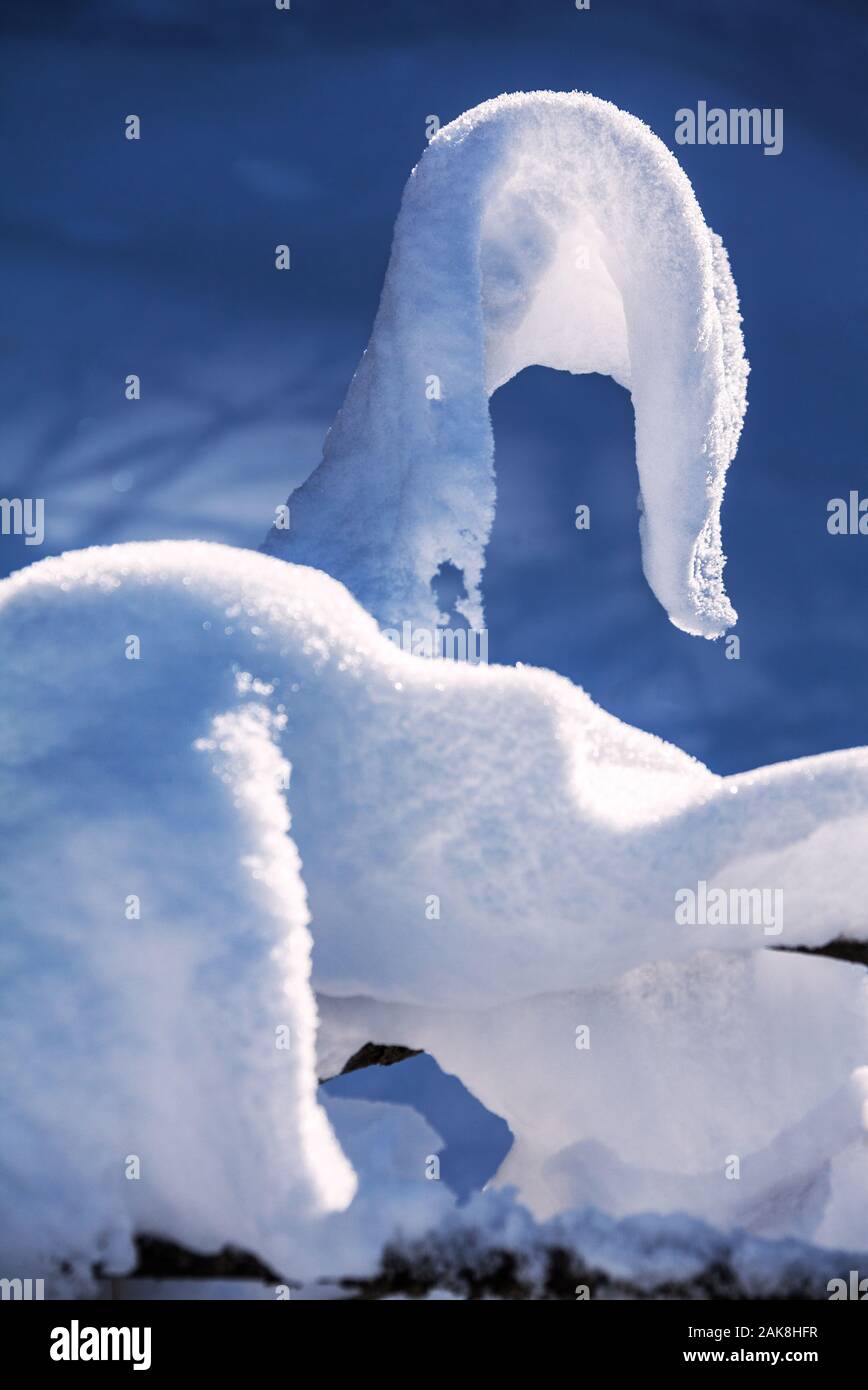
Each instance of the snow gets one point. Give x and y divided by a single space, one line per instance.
153 1038
541 228
755 1056
473 1141
495 1240
283 793
222 387
590 1254
555 838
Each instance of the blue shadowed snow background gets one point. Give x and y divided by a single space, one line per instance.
261 127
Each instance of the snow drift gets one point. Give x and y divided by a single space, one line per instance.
222 789
544 228
158 1062
555 839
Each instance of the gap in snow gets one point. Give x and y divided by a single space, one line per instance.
476 1141
449 589
377 1054
568 600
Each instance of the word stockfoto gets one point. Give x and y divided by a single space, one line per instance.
738 126
731 907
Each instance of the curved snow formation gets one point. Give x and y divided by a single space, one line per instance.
543 228
553 837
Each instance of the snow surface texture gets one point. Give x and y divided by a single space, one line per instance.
555 838
494 1248
491 1246
543 228
153 1038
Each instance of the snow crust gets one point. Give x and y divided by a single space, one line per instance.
555 838
541 228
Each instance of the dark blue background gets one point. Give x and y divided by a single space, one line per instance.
259 127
